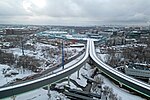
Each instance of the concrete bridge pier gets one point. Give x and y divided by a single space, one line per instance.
84 66
69 80
78 74
49 95
13 97
90 61
120 84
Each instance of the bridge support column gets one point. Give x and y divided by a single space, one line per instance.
78 74
84 67
49 95
69 80
120 84
13 97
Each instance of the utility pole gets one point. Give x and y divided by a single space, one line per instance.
78 74
22 47
62 54
22 44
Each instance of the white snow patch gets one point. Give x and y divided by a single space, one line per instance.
5 80
121 92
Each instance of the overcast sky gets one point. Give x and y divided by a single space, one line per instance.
75 12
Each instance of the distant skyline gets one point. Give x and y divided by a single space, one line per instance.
75 12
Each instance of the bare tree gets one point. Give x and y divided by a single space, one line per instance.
97 86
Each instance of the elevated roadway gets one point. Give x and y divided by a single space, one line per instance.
121 78
31 85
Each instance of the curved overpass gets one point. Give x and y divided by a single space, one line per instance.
123 79
28 86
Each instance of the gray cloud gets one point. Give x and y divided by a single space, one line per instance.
76 12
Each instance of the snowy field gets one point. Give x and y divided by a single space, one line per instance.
42 55
21 74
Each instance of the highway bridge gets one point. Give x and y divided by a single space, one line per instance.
127 81
28 86
121 78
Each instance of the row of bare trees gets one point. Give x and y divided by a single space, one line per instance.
6 58
24 61
106 92
135 53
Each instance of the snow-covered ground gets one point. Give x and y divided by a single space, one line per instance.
41 94
103 57
70 63
22 73
117 90
121 92
39 53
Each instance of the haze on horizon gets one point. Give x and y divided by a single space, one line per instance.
74 12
